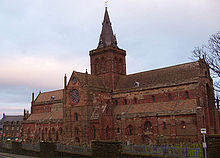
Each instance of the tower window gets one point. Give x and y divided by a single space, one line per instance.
135 100
187 95
183 124
170 96
148 126
125 101
94 132
164 125
116 102
153 98
107 131
77 131
118 130
76 117
130 130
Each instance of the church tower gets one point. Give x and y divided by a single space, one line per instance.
108 60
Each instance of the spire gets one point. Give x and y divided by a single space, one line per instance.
107 37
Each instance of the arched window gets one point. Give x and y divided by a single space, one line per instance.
42 134
77 139
107 132
130 130
118 130
60 130
164 125
94 132
76 116
76 131
125 101
170 96
49 135
57 136
148 126
183 124
187 95
53 131
153 98
135 100
116 102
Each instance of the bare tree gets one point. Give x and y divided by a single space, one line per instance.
211 54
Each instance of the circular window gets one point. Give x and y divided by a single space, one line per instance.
74 95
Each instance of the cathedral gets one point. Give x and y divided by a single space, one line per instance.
167 105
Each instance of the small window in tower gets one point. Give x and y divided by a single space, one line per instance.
164 125
187 95
76 116
170 96
118 130
183 124
53 131
77 131
125 101
135 100
130 132
107 131
116 102
153 98
94 132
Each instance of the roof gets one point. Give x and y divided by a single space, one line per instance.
158 108
46 96
46 116
174 75
13 118
107 37
91 80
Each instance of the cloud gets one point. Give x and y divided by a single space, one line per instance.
42 40
38 72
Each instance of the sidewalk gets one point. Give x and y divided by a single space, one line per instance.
7 155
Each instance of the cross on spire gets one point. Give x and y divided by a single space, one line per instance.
106 3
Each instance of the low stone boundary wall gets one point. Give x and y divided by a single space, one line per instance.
100 149
213 146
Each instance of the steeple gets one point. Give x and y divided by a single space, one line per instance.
108 60
107 38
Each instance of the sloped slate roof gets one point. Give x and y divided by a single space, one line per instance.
161 107
11 118
46 116
46 96
179 74
90 80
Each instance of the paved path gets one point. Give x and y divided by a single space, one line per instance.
7 155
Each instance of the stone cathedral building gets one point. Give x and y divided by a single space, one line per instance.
170 104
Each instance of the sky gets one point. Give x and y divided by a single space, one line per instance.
41 41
